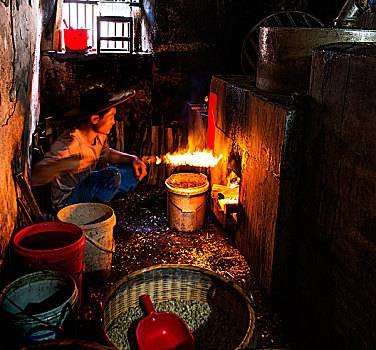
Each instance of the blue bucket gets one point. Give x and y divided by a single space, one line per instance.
37 304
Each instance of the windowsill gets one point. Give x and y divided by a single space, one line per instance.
92 55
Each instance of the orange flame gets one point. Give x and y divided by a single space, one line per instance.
203 158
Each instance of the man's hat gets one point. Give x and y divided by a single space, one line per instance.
96 100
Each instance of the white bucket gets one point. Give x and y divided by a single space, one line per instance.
36 304
97 222
186 201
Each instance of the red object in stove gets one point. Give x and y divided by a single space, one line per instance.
163 330
212 115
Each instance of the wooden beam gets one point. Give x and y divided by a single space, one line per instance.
31 202
153 171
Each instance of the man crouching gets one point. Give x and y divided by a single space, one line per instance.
71 162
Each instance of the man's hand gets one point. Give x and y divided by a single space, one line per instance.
117 157
139 168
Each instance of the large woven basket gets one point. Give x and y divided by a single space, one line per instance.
181 282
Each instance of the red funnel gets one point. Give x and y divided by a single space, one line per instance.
163 330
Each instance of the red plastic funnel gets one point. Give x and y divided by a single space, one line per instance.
163 330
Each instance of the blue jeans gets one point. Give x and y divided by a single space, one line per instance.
104 184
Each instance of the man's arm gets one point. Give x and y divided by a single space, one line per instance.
117 157
45 171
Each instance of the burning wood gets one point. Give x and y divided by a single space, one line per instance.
224 201
225 196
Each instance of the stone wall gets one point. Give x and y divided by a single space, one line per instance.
20 32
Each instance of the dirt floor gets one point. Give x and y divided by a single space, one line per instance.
143 238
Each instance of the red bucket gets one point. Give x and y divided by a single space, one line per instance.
76 40
51 246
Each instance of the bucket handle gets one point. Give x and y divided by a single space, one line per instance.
45 326
191 211
67 308
99 246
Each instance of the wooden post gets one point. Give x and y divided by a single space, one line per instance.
169 148
57 25
30 199
59 128
119 128
49 130
142 143
153 171
162 166
177 146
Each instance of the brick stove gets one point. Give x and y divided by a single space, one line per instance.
259 135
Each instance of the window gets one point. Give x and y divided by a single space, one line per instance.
112 26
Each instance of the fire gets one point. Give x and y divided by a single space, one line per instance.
203 158
227 195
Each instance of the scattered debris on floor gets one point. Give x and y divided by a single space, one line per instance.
144 239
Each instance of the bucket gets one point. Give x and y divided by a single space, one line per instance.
186 201
75 40
51 246
97 222
36 305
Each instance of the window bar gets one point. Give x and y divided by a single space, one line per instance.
131 36
93 25
108 34
122 34
69 14
85 17
77 16
115 43
98 36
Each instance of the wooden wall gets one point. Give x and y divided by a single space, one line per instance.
333 295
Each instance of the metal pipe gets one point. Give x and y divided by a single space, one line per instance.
350 12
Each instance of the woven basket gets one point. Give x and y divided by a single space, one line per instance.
181 282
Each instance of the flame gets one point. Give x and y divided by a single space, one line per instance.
203 158
233 200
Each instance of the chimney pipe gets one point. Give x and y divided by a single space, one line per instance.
350 12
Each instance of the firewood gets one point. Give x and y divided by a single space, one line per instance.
120 136
162 166
144 140
49 130
153 171
169 148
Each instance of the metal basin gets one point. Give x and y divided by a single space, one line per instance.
285 54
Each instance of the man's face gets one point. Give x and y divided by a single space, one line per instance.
104 125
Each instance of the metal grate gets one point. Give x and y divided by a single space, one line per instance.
114 34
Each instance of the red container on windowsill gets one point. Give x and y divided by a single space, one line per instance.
75 40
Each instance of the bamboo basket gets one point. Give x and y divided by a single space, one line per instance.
181 282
